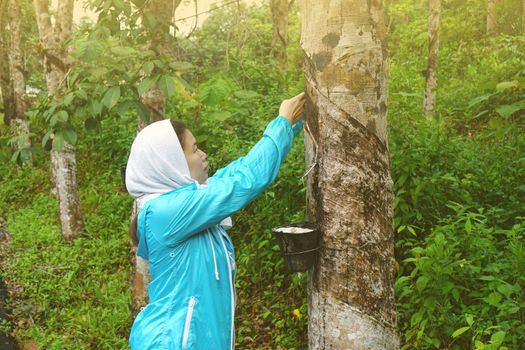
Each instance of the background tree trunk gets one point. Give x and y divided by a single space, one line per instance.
63 163
429 103
16 71
491 17
6 86
279 10
350 288
163 11
523 17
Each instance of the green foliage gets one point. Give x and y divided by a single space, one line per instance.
474 295
67 283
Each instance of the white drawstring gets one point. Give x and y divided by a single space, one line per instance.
214 257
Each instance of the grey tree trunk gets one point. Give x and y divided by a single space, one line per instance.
63 163
429 103
164 13
279 10
6 87
155 101
523 17
16 70
349 194
491 17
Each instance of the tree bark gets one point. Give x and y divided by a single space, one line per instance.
350 287
16 70
155 101
523 17
279 10
164 13
6 86
63 163
491 17
429 103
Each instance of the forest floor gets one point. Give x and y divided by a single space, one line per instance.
6 341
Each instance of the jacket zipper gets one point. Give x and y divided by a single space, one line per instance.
214 257
189 314
227 255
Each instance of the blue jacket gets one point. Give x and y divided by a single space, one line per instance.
191 257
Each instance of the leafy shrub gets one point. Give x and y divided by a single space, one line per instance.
463 285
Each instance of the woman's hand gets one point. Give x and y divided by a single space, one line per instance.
293 108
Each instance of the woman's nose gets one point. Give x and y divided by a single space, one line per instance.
203 155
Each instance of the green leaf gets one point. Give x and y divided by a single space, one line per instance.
460 331
70 136
505 289
479 99
455 294
81 94
124 107
470 319
190 104
111 97
422 282
96 107
506 85
60 116
497 338
167 85
16 154
68 99
58 141
220 116
122 51
142 111
214 92
181 66
184 83
468 226
145 84
245 94
148 67
493 299
46 138
479 345
487 278
507 110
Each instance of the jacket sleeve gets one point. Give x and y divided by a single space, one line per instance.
175 216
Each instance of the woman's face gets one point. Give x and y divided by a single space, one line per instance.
195 157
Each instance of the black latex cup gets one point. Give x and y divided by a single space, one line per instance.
299 249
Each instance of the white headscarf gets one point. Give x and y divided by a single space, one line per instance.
157 164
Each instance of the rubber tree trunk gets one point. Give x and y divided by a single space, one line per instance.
279 10
429 102
523 17
63 163
16 69
491 17
163 11
6 87
349 193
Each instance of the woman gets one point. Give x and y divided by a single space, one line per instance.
180 228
